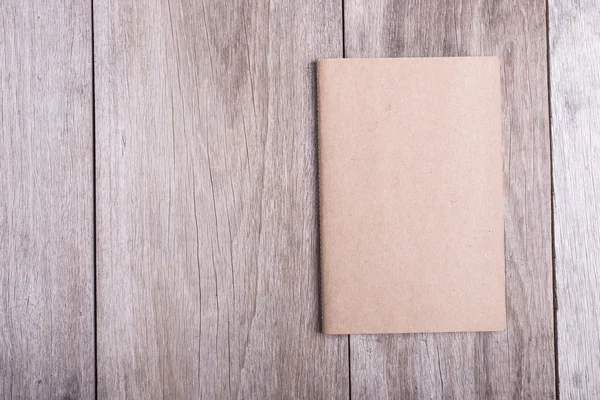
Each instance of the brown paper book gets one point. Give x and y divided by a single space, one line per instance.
411 195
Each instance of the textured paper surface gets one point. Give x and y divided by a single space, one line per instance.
411 193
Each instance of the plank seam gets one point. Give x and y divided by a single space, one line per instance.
552 234
343 30
94 204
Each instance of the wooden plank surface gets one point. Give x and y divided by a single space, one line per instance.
206 190
517 363
46 201
574 32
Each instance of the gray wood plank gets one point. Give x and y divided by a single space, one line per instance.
46 201
206 190
574 32
517 363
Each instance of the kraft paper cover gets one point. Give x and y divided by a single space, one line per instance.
411 195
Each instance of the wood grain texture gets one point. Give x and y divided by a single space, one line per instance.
517 363
207 212
46 201
574 32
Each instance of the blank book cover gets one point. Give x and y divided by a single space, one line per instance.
411 195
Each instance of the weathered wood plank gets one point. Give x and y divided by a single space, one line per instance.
574 31
517 363
46 201
207 211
